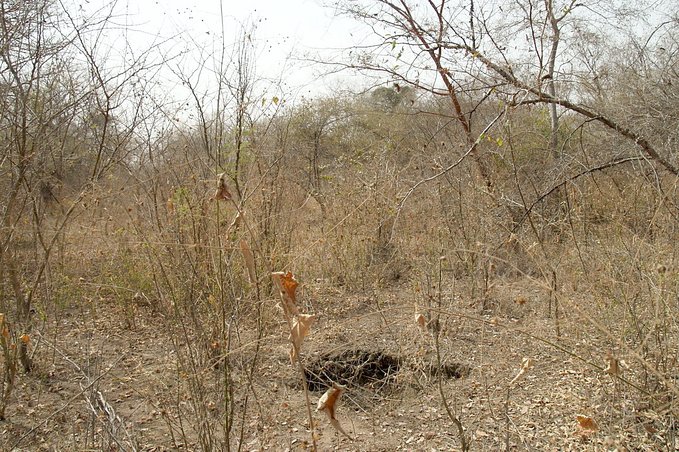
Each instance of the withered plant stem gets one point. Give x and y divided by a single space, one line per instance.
436 331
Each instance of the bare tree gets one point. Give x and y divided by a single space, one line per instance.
475 48
61 135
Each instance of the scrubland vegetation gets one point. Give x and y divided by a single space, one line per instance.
478 252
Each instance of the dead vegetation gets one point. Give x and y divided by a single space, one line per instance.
413 268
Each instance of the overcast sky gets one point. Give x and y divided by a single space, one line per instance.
285 31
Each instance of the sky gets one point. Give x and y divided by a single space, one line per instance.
286 31
187 34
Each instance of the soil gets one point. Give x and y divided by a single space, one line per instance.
108 380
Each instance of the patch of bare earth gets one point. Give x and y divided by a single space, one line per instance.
102 383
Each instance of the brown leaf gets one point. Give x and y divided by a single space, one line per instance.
222 192
328 403
421 321
587 425
613 365
521 300
25 338
290 285
249 260
287 284
170 206
300 329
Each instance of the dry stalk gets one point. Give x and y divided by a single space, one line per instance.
288 306
285 303
84 390
9 368
436 331
98 405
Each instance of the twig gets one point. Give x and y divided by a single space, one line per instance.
436 332
601 167
96 401
444 171
69 401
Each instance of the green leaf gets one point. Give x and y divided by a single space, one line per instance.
275 100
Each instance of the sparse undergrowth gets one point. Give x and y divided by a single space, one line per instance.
467 265
180 342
